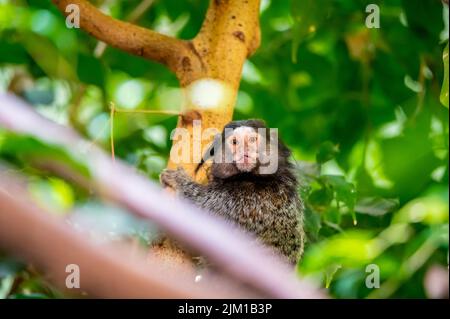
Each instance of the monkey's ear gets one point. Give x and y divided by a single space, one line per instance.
209 152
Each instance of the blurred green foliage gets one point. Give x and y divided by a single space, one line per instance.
362 109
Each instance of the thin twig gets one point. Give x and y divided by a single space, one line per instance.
162 112
111 125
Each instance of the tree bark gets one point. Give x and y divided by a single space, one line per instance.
212 60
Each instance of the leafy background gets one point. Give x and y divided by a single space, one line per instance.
365 112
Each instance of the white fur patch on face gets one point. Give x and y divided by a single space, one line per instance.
208 93
244 145
243 130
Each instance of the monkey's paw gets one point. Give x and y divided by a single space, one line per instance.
172 178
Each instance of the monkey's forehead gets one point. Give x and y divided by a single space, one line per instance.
243 130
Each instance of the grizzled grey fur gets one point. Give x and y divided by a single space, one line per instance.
267 206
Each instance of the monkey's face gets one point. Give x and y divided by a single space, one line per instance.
243 146
238 152
246 147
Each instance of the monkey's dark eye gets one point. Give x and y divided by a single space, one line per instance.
234 141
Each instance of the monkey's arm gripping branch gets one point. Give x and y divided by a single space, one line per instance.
179 181
129 37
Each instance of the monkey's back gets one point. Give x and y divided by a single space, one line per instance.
270 209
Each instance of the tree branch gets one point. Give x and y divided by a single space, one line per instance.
129 37
230 33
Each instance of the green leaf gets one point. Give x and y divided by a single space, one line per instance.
350 249
444 91
345 192
28 148
312 223
308 16
54 193
431 210
10 267
327 151
376 206
333 216
6 285
424 18
329 274
12 53
321 198
90 70
409 159
47 56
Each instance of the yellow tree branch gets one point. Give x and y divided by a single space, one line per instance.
129 37
208 67
230 33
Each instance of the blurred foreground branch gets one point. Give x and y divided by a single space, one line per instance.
106 271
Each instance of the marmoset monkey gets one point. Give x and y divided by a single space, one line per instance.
247 189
